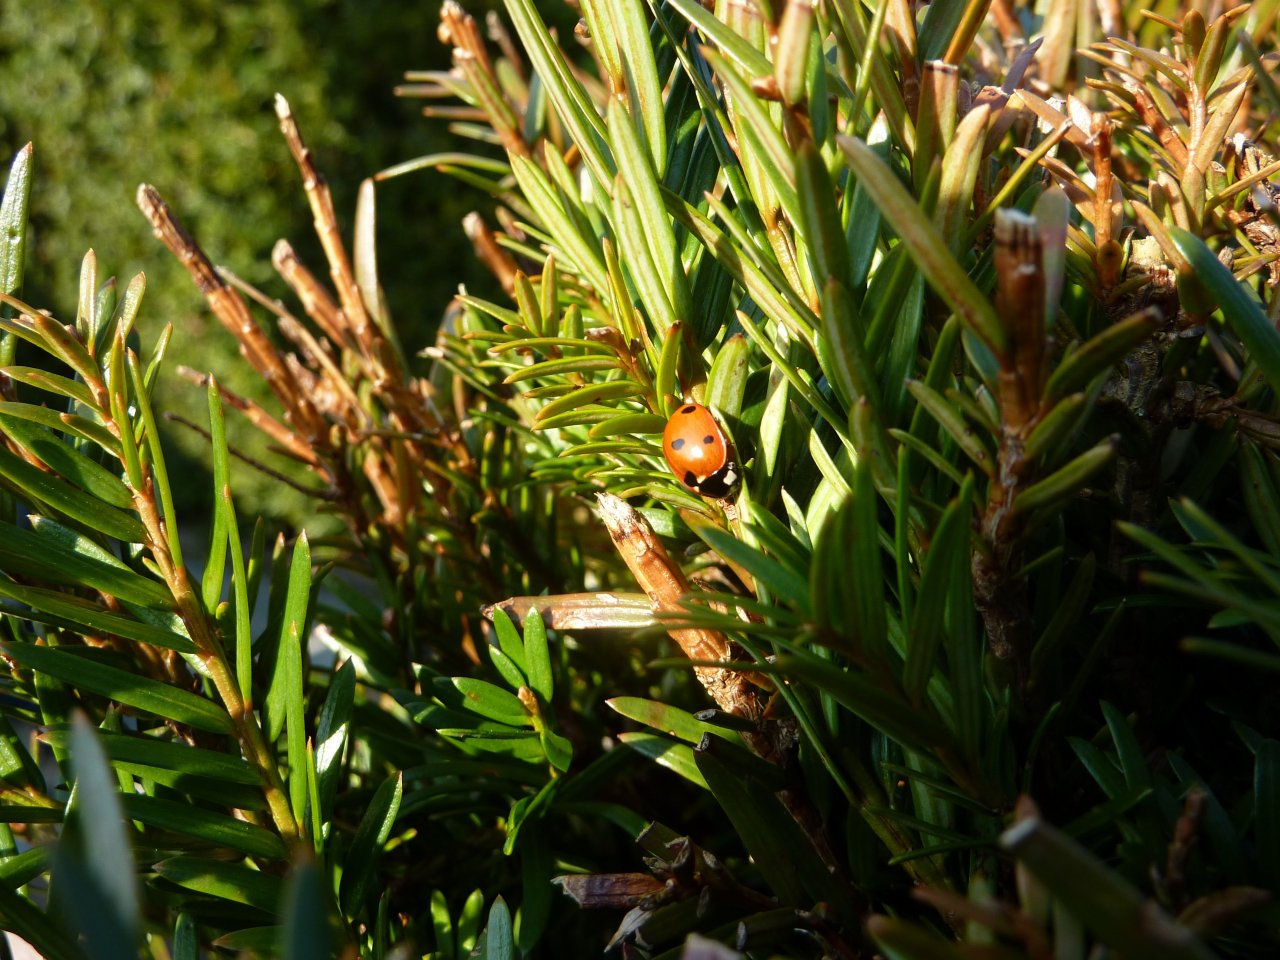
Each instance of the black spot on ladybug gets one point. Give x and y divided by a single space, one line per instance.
708 440
689 409
677 443
719 484
689 479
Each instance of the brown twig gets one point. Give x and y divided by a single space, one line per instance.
364 330
316 301
665 583
1020 304
232 311
472 62
1109 257
500 263
734 691
289 441
998 593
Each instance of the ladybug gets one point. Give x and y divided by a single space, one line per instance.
699 453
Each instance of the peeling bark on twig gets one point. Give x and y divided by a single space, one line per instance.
734 691
998 593
665 583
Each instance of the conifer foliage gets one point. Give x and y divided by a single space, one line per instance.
978 659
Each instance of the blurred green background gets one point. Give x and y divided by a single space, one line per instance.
179 95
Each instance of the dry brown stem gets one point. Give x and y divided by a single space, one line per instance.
290 443
228 306
665 583
500 263
1000 596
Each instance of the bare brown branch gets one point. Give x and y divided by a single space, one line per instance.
665 583
233 313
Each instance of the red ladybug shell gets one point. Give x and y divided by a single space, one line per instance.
698 452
